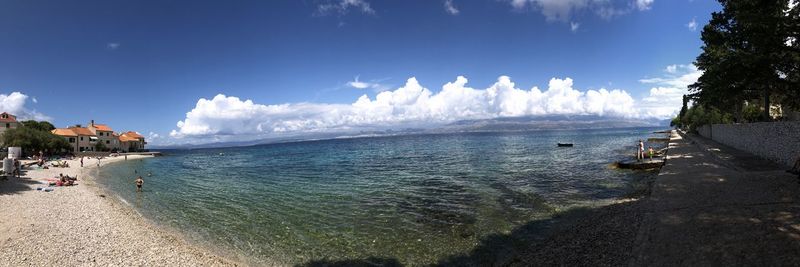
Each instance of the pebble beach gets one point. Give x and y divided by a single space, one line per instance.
83 226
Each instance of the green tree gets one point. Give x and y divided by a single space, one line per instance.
699 115
39 125
33 140
100 146
749 52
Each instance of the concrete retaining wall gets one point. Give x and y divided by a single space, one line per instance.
775 141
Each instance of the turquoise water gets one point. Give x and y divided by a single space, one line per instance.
414 198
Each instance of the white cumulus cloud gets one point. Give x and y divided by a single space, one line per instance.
411 105
666 98
450 8
644 4
14 103
375 85
573 26
671 69
692 25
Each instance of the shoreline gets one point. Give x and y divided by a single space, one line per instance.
86 225
200 253
707 201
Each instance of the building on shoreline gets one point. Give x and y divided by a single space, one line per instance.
104 134
94 136
7 121
131 141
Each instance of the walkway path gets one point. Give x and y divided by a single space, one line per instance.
714 205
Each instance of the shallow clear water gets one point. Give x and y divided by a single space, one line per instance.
415 198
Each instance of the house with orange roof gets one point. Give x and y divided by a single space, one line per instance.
8 121
131 141
85 139
105 135
69 135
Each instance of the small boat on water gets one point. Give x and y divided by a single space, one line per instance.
565 144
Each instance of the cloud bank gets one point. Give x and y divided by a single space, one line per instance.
413 105
14 103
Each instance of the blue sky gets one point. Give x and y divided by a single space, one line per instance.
143 65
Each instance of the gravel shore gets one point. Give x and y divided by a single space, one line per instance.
80 226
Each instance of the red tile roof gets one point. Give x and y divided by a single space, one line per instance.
5 117
82 131
63 132
103 127
133 134
125 138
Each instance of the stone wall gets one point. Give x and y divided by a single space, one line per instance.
775 141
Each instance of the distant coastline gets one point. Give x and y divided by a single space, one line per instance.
508 124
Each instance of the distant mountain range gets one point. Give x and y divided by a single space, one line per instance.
508 124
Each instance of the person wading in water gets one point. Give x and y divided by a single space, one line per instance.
139 183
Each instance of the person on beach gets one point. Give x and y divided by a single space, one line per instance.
640 151
651 152
126 156
139 183
64 181
17 168
98 161
81 162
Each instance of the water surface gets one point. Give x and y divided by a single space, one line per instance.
415 198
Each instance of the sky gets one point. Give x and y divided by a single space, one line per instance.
209 71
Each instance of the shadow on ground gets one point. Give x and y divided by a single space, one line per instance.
14 185
372 261
589 236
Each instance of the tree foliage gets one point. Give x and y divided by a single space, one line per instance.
100 146
34 139
39 125
699 115
750 52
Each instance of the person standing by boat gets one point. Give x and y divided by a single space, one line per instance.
640 151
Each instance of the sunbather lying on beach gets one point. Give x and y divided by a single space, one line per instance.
64 181
62 176
60 164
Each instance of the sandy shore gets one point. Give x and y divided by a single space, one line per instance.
79 225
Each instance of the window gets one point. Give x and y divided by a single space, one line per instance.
8 125
108 142
81 138
72 140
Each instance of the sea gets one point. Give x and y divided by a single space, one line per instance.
412 199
